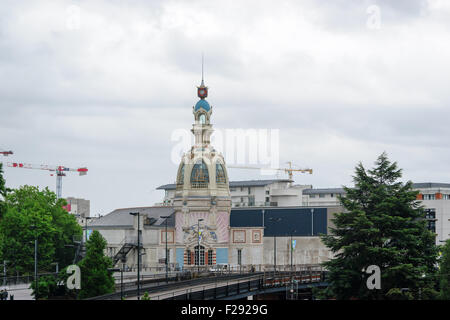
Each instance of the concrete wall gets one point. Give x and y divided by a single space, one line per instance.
308 250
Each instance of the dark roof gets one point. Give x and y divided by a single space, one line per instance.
421 185
324 190
295 220
234 184
123 219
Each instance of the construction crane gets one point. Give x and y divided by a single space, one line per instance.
289 170
60 172
5 153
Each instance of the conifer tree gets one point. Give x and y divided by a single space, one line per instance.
382 224
96 280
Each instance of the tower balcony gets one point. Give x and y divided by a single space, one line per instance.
199 185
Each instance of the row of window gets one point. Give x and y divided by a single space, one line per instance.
321 195
200 175
433 196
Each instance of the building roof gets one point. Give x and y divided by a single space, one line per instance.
202 104
234 184
122 217
323 190
424 185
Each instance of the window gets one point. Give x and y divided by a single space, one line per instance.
332 195
202 118
249 190
210 257
429 197
200 261
430 216
220 173
321 195
199 175
189 258
267 199
312 195
239 256
267 192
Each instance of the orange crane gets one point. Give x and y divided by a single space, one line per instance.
59 170
289 170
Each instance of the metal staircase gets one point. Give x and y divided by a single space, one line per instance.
127 244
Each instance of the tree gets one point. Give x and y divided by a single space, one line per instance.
96 280
382 225
34 214
444 272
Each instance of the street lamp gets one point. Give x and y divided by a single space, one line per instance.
138 254
166 217
275 244
198 245
33 227
121 279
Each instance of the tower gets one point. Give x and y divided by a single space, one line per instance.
202 199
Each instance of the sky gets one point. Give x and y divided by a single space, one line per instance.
105 84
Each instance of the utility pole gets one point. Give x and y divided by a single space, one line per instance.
139 254
166 217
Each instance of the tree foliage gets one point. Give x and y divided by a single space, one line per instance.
96 280
36 214
382 225
444 272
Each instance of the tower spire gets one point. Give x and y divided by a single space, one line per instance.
202 84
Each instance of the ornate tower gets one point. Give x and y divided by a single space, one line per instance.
202 200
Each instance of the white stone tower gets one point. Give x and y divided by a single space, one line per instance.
202 200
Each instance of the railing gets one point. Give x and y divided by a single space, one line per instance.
199 185
257 284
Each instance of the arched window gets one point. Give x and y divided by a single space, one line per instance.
199 256
202 118
181 175
220 174
199 175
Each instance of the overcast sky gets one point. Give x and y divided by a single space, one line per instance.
104 84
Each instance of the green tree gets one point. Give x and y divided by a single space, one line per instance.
36 214
382 225
96 280
444 272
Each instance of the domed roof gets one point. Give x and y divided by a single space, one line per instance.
202 104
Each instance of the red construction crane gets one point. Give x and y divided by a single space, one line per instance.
59 170
5 153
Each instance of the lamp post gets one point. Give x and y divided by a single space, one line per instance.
275 244
138 254
292 250
198 245
33 227
166 217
